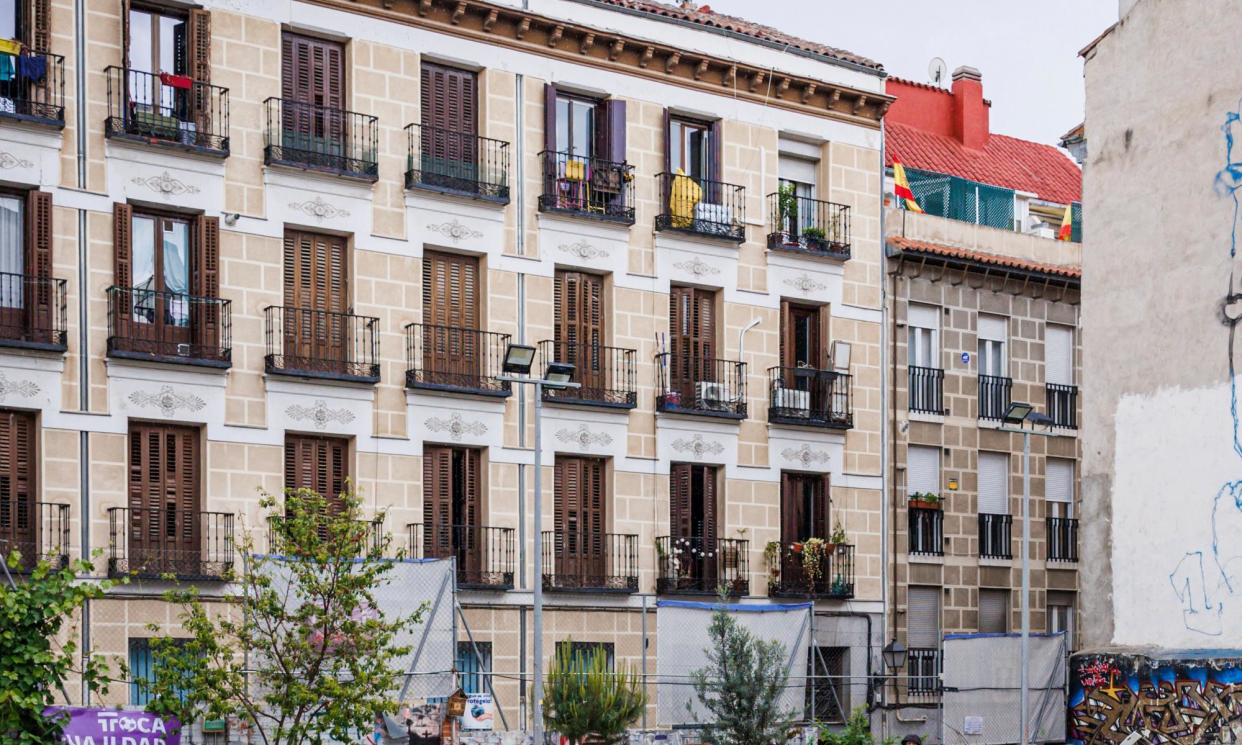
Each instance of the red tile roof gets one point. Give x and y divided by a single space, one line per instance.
910 245
703 15
1004 161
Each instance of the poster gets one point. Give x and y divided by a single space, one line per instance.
478 715
93 726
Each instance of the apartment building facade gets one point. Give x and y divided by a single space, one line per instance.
984 311
255 246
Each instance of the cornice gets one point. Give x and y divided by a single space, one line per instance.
528 32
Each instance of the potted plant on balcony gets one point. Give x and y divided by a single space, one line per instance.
925 501
814 552
787 213
815 238
772 557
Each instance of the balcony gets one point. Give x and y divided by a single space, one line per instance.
703 387
168 111
828 576
702 566
701 207
319 138
808 226
607 374
587 187
152 542
279 541
1062 539
1061 403
923 672
995 533
484 555
163 326
926 531
310 343
32 312
994 396
809 397
35 94
926 390
43 536
458 163
583 561
455 359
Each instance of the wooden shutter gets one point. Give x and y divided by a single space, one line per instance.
316 271
668 145
164 499
198 41
205 281
39 298
39 25
549 118
313 71
709 517
923 618
18 524
122 243
449 98
320 464
580 515
692 348
450 290
993 484
610 130
715 163
579 328
680 517
437 501
993 611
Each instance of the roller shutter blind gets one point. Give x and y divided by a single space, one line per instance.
1059 355
923 618
1059 480
923 469
993 484
993 611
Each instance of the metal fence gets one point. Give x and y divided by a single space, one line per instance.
962 199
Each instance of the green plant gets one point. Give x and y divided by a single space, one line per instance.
787 202
857 731
928 497
772 557
814 232
838 536
814 552
583 700
303 660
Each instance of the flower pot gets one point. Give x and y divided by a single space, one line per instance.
919 504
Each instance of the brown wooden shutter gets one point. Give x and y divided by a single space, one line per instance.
549 117
316 271
39 25
164 499
199 42
205 316
786 335
580 517
39 298
715 166
320 464
122 243
823 518
313 71
449 98
692 348
450 290
17 493
709 505
680 517
610 130
437 500
125 33
668 144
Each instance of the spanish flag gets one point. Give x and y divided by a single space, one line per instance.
901 187
1067 224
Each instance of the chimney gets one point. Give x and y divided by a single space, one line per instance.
970 113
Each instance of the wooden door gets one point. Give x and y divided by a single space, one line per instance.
580 519
804 506
18 508
451 339
313 88
693 524
692 341
320 464
164 500
804 358
449 101
452 508
579 332
316 323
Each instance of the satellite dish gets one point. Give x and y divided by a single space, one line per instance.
937 71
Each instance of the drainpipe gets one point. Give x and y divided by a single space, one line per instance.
84 474
885 425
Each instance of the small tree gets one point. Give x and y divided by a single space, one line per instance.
38 653
585 701
300 663
741 686
857 731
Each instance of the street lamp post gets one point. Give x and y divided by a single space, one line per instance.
519 360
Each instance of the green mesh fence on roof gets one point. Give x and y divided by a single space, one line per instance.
962 199
1076 217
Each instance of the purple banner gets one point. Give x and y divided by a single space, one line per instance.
93 726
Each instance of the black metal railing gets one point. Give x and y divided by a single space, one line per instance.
321 344
587 187
926 390
702 566
453 162
607 375
995 536
588 561
926 531
35 90
1061 403
33 312
451 358
1062 539
167 109
701 206
305 135
828 573
484 555
994 396
151 542
41 536
280 542
808 225
804 395
169 326
689 385
923 671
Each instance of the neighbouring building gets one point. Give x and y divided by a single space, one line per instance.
260 245
983 310
1162 619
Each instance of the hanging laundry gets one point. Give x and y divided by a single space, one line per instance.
176 81
8 69
10 46
32 67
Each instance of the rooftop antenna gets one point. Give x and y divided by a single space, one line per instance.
937 71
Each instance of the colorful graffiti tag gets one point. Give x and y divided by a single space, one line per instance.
1115 697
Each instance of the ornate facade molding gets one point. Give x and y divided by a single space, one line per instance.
167 400
165 185
319 209
455 427
9 160
697 447
697 267
583 250
319 414
805 455
23 388
454 230
583 437
805 283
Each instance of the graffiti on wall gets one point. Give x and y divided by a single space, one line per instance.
1114 697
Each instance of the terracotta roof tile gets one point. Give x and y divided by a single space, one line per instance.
910 245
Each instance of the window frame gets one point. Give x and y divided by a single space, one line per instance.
571 100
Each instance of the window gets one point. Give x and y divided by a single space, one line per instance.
1059 487
164 520
924 333
11 19
320 464
799 175
993 611
314 74
580 331
1061 615
165 52
692 340
474 665
804 506
993 484
582 128
25 263
452 505
451 345
1059 355
804 336
157 42
18 495
827 692
142 671
923 639
12 248
575 125
992 335
27 21
922 469
580 652
693 503
160 266
581 518
692 148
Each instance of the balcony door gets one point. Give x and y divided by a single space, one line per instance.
805 377
452 349
804 515
580 331
315 326
450 124
580 521
164 499
313 90
692 344
694 524
453 507
18 496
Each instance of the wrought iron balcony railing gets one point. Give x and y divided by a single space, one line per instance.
1061 403
815 398
607 374
455 359
169 327
35 91
587 187
702 566
152 542
279 540
801 574
926 531
484 555
320 138
708 387
461 163
994 396
41 536
321 344
995 536
1062 539
701 206
584 561
809 226
33 312
926 390
163 109
923 672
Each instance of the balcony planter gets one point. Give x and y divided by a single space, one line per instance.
925 502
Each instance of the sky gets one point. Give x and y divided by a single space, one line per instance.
1027 52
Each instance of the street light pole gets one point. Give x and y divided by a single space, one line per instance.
1025 692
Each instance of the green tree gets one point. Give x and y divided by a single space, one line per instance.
857 731
302 653
741 686
38 652
584 700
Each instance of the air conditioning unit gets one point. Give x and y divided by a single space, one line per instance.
714 396
793 402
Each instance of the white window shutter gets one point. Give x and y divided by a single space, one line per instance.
923 618
923 469
993 484
993 328
993 611
923 316
1059 480
1059 355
